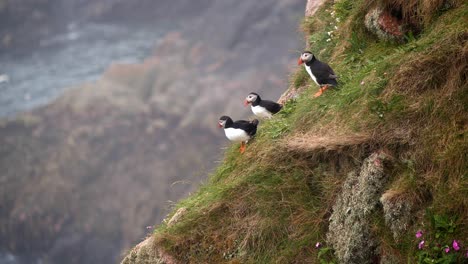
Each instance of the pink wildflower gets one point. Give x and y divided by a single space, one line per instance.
421 244
455 245
419 234
318 245
447 249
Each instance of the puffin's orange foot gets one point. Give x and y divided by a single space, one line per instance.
242 148
321 90
319 93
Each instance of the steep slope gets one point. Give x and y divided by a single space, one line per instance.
360 169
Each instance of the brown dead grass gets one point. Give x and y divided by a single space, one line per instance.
225 228
443 67
312 142
417 13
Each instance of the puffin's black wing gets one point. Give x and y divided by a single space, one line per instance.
250 127
238 122
324 73
271 106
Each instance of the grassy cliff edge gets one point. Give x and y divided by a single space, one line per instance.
360 169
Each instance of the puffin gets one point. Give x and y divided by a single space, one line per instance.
322 74
261 108
239 131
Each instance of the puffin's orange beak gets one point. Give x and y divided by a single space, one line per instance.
299 61
246 103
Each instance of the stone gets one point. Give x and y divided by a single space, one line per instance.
177 216
312 7
350 232
385 26
147 253
397 212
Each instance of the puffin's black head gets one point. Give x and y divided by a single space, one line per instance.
252 97
223 120
306 56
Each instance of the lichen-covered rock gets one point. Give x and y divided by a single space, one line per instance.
147 253
312 6
383 24
143 253
177 216
397 212
350 232
291 93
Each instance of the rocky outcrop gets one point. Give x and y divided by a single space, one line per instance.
397 212
147 253
312 6
384 25
181 212
349 231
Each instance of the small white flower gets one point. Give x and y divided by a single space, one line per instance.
328 40
336 27
337 19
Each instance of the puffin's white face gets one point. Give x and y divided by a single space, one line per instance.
221 123
250 99
306 57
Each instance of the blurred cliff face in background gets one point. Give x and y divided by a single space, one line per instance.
108 111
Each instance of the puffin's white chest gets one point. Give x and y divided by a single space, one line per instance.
311 74
236 134
260 111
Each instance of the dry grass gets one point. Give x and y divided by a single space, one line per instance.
417 13
269 204
313 143
444 66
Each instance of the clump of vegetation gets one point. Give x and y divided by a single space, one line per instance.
419 13
439 246
409 100
300 78
325 254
